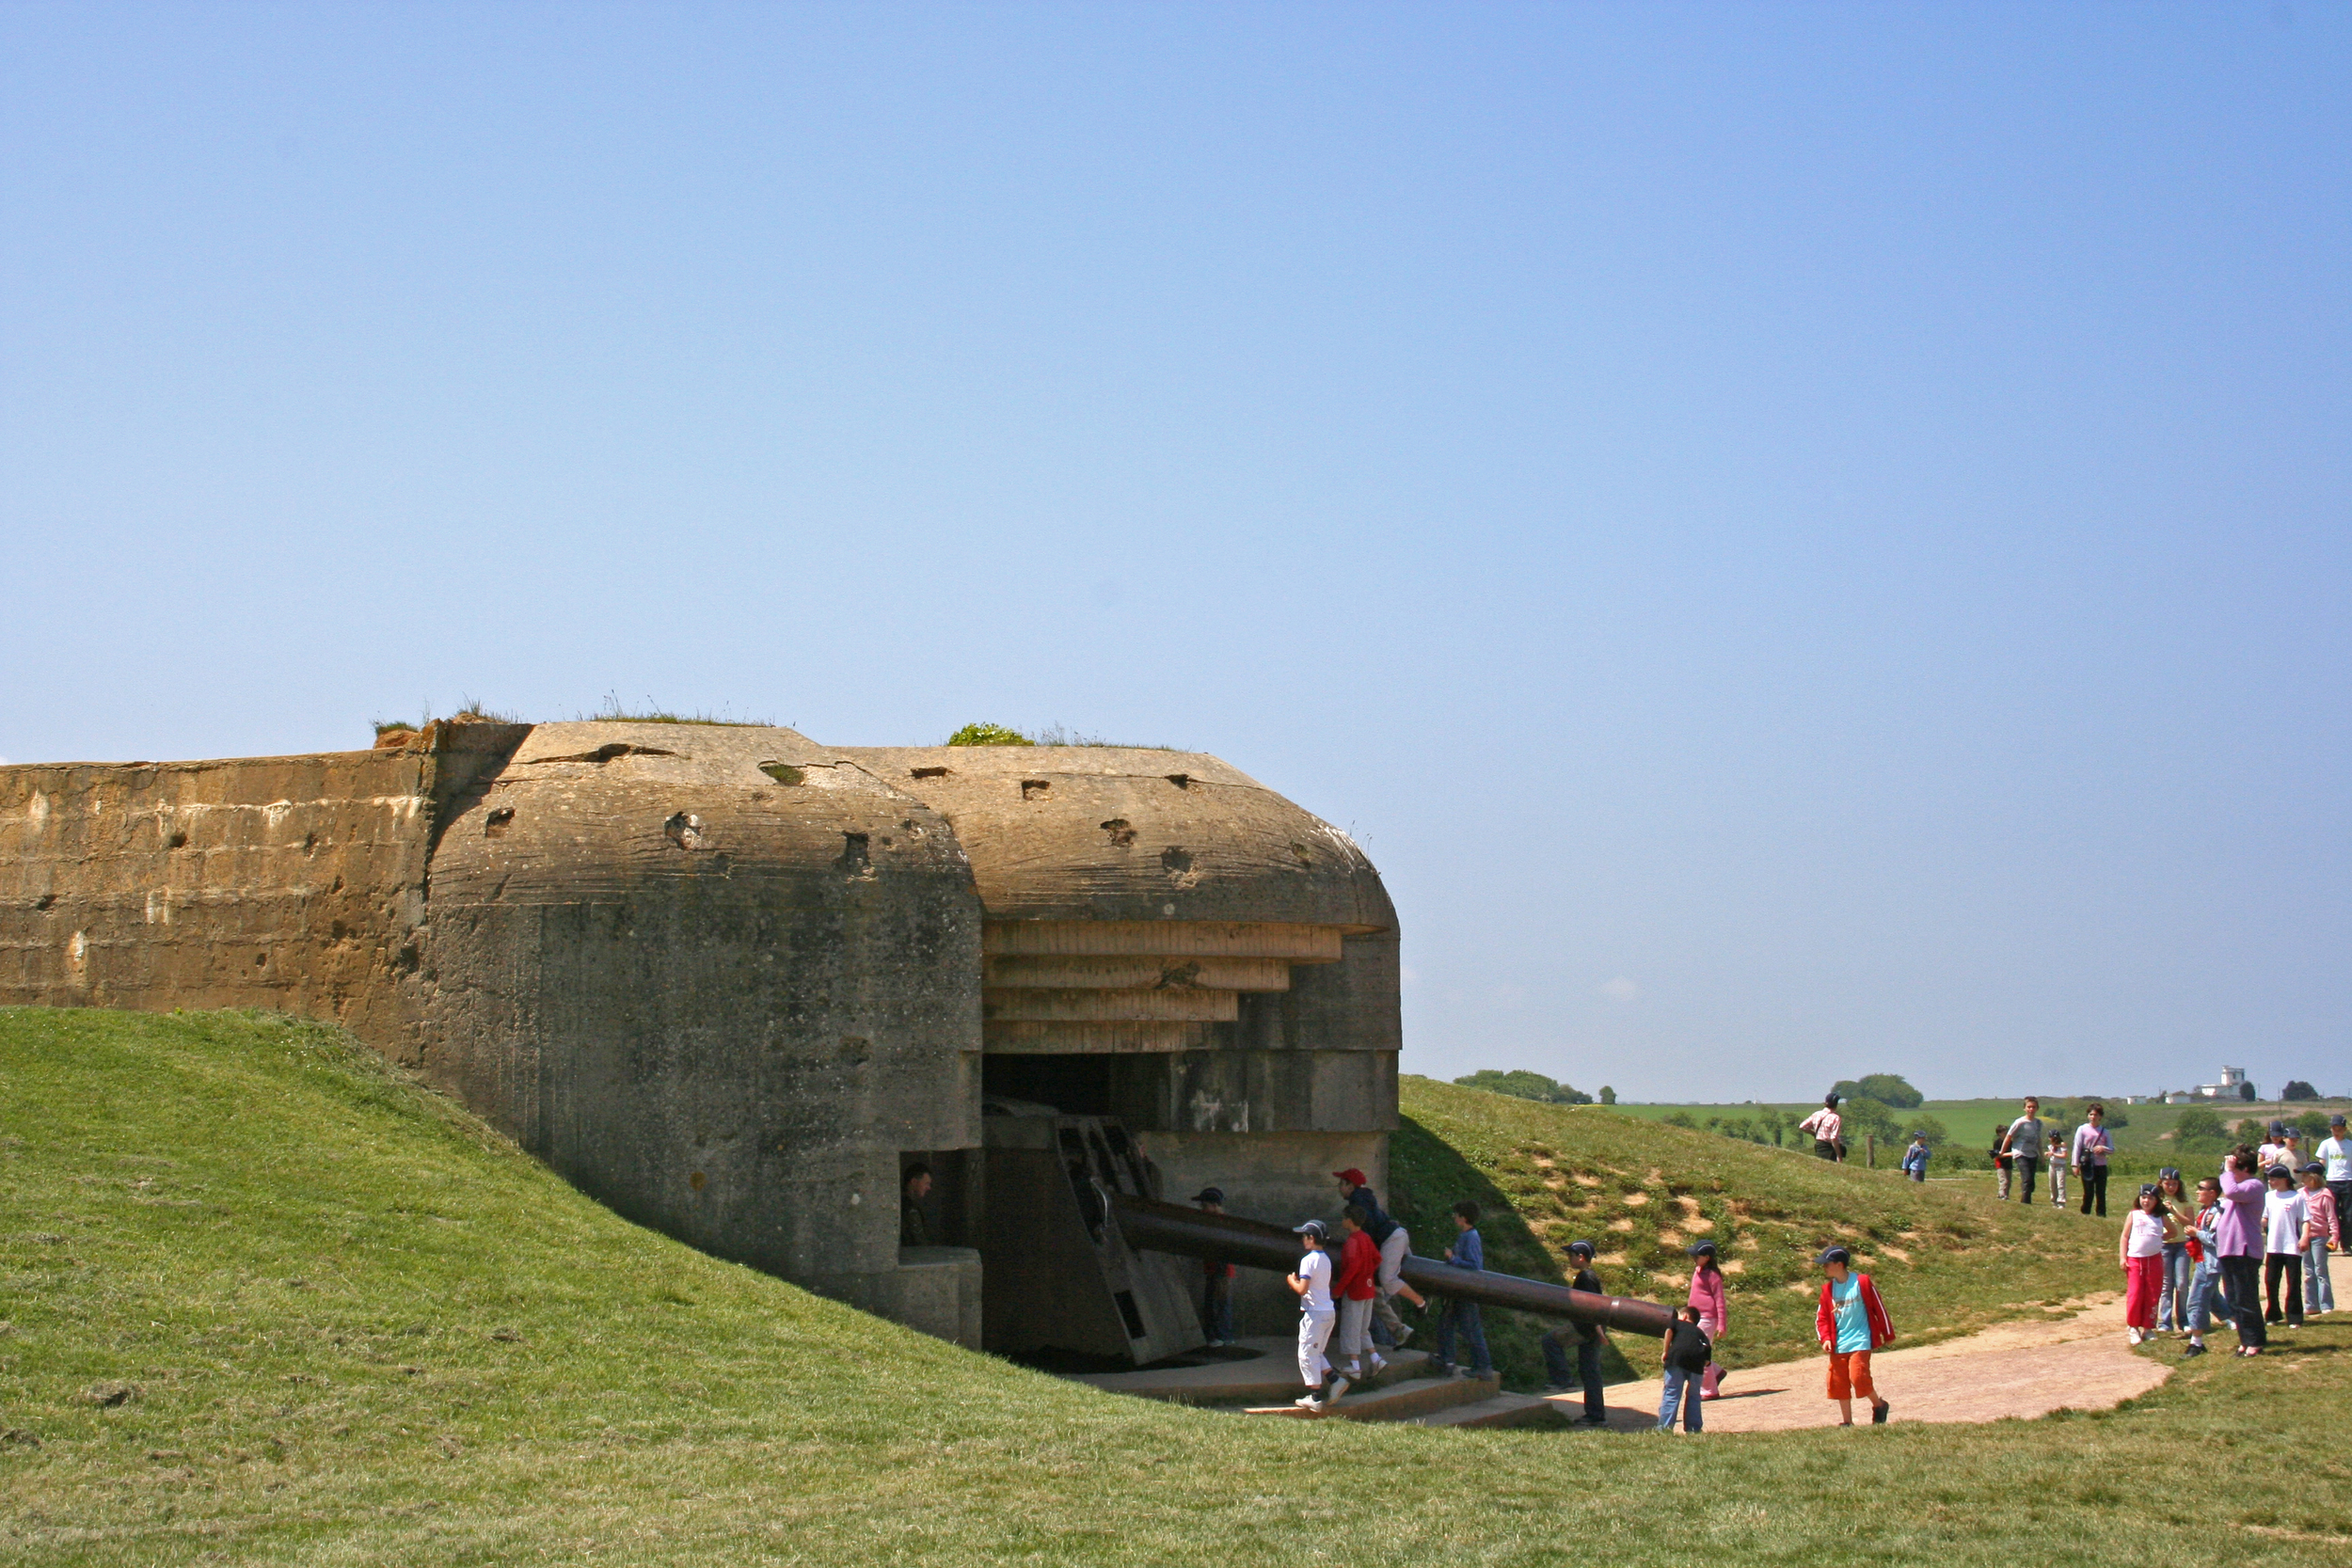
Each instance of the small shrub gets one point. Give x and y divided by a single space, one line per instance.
988 734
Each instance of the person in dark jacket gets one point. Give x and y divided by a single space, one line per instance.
1467 1252
1395 1244
1587 1338
1216 1278
914 1185
1684 1362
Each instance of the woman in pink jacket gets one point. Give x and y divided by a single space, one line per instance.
1707 1294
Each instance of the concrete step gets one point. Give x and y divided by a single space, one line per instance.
1499 1410
1400 1402
1256 1372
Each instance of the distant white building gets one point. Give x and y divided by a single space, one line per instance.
2233 1085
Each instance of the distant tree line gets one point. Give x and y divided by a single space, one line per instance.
1531 1085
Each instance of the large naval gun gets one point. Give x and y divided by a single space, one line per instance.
1082 1249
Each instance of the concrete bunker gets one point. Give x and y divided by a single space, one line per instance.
732 982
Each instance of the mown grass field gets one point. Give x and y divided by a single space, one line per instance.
266 1304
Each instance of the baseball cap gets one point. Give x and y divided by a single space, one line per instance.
2336 1120
2148 1189
1834 1255
2169 1172
2278 1129
1313 1227
1580 1249
1352 1176
1700 1249
2314 1168
2278 1170
1209 1194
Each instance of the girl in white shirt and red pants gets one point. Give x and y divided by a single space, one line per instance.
2146 1229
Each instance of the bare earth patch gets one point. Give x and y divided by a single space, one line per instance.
2082 1362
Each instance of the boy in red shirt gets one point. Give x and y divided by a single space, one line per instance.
1355 1288
1852 1323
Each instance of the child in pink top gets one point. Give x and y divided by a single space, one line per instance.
1707 1294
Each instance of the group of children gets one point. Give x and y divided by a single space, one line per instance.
2189 1261
1346 1283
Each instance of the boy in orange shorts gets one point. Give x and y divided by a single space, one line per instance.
1851 1323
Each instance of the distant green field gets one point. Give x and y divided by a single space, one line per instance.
2142 1144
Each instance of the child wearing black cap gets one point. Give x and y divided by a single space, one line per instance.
1588 1343
1313 1286
1216 1278
2284 1215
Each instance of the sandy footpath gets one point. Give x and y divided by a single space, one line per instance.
2080 1361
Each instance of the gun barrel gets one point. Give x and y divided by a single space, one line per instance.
1171 1228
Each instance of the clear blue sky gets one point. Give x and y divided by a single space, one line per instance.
1804 540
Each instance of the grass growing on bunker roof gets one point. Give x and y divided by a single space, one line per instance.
266 1302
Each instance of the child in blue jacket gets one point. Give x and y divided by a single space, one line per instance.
1915 1157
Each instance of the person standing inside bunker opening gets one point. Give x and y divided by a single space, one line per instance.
2284 1214
2141 1251
1467 1252
1706 1296
1216 1278
1684 1364
1359 1264
2335 1154
1824 1126
2091 1148
1588 1343
1395 1244
914 1185
1852 1323
2321 1226
1313 1286
2023 1144
2238 1239
1915 1158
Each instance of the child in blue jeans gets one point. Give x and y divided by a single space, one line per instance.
1467 1252
1685 1363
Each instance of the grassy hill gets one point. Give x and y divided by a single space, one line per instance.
1947 1260
265 1303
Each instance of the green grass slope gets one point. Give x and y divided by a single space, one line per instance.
266 1304
1947 1260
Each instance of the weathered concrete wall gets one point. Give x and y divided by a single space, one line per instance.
722 1000
295 883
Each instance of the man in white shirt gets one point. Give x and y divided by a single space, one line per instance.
2335 1152
1312 1285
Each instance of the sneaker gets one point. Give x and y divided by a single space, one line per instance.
1403 1336
1878 1413
1559 1388
1438 1368
1332 1395
1379 1365
1592 1421
2193 1348
1309 1403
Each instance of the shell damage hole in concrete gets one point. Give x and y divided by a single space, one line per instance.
1035 789
498 821
177 840
783 772
930 772
1181 781
856 851
1298 853
607 752
698 1181
684 829
46 901
1175 861
1121 834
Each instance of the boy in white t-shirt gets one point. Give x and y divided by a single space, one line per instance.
1313 1286
2285 1216
2334 1154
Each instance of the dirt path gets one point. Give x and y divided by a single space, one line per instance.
2077 1362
